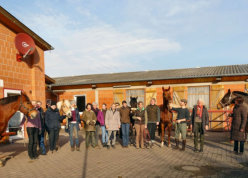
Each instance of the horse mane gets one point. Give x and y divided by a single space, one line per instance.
9 99
241 93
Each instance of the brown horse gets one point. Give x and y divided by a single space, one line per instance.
166 116
10 105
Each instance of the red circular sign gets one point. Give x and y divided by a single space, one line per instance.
24 44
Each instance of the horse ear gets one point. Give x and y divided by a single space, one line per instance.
229 91
163 88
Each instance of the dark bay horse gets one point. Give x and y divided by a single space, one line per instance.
10 105
166 116
229 99
134 105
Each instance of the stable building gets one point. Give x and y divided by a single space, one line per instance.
27 75
207 83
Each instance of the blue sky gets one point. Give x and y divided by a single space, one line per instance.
106 36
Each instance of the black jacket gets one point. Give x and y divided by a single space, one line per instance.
205 117
53 119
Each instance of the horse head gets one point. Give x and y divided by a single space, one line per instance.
133 102
26 106
227 100
167 95
64 108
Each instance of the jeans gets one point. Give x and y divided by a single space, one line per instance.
41 142
53 137
109 134
152 128
236 146
139 135
33 140
104 135
90 138
73 129
125 134
97 134
181 128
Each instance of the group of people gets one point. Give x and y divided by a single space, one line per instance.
118 119
115 119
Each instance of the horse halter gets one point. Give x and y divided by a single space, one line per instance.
228 102
22 106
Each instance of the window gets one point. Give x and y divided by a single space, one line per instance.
195 93
81 102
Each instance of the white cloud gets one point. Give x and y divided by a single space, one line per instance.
102 50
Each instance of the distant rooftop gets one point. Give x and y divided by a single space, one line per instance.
199 72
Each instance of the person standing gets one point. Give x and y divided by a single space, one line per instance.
199 123
125 123
140 120
183 116
238 125
112 123
52 121
101 119
96 111
153 114
74 122
89 119
43 128
33 129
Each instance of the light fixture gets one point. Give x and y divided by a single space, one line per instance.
93 86
149 83
218 79
122 86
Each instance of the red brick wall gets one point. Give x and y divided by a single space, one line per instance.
105 96
28 76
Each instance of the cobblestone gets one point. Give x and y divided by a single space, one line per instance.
217 160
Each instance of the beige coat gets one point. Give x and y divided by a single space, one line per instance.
112 120
89 118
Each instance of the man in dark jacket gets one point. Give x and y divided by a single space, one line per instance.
199 121
125 123
238 125
42 133
52 121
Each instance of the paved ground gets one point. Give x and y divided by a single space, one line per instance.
216 161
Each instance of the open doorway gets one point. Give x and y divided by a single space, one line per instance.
14 122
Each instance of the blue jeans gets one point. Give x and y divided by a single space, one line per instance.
73 127
41 141
104 135
125 134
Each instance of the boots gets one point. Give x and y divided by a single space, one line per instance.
183 145
177 144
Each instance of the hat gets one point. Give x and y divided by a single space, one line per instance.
184 100
53 103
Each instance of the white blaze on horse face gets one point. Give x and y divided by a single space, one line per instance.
65 107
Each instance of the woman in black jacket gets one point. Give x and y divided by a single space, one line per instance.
52 121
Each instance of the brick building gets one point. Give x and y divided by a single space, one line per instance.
208 83
28 75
